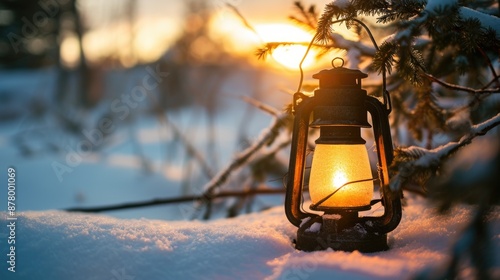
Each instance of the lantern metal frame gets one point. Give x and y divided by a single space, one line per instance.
344 230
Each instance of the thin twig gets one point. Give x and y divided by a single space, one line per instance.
173 200
190 148
244 156
494 80
244 20
265 139
264 107
461 88
490 65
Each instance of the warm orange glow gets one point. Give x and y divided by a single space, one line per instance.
145 42
153 37
335 165
70 51
241 39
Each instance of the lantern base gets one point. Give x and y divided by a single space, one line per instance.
339 233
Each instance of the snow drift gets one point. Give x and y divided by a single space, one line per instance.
60 245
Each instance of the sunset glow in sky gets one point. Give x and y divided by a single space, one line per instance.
159 23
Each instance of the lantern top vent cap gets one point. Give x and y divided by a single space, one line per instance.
340 71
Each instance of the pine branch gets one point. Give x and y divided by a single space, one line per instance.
270 47
423 164
372 7
411 64
384 58
427 115
326 21
308 18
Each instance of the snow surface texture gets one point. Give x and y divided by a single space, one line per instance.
59 245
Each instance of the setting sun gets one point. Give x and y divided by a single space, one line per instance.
241 39
291 55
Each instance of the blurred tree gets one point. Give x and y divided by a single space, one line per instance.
198 66
195 50
30 32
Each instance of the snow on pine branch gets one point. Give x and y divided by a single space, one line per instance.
342 43
434 5
416 164
487 21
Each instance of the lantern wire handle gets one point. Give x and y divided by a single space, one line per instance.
298 92
385 93
335 191
337 58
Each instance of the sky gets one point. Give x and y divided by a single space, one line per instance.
256 10
159 23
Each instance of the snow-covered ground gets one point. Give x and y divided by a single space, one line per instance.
60 245
158 242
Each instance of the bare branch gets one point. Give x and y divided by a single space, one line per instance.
189 198
461 88
264 107
244 20
490 65
266 138
190 148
